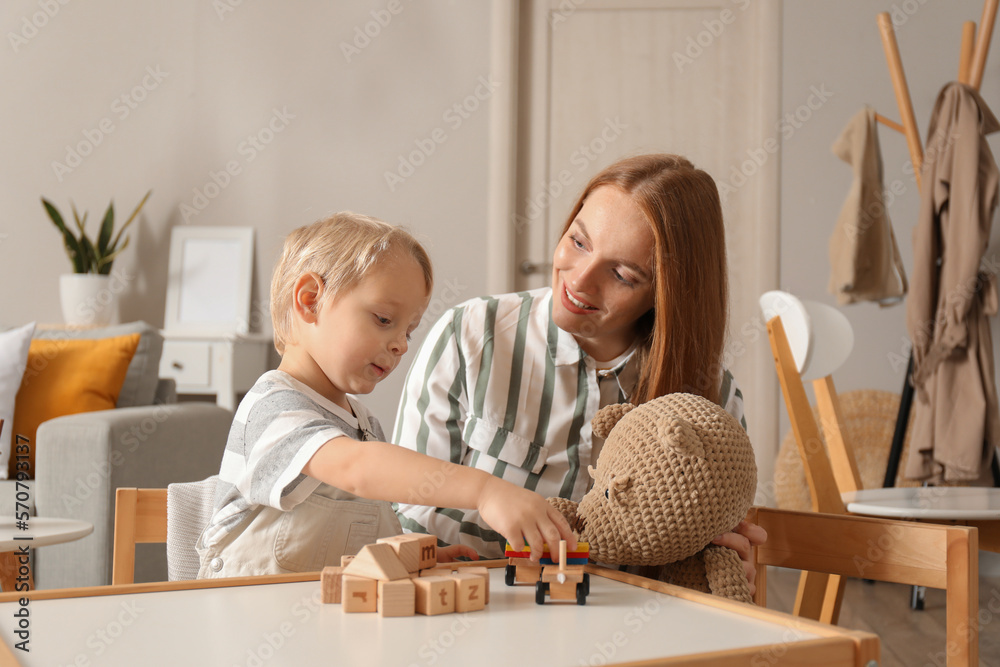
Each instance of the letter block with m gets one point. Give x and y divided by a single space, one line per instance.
415 550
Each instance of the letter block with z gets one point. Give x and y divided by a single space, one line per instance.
358 594
484 573
469 592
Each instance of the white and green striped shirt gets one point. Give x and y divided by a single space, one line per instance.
496 385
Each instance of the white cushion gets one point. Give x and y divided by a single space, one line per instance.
190 507
14 346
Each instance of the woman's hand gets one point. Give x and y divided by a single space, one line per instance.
453 552
523 516
742 539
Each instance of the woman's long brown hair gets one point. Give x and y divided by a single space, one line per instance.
681 339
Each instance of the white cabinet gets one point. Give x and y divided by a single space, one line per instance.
225 366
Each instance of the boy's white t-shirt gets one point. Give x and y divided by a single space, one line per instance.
270 518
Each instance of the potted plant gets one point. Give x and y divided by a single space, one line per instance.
86 295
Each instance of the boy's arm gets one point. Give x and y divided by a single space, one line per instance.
430 420
381 471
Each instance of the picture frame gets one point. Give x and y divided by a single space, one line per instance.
209 280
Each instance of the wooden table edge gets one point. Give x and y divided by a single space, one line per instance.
864 645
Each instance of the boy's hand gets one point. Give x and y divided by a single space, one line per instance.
523 516
742 539
453 552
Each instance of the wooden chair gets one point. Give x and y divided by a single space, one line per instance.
822 341
932 555
176 515
140 518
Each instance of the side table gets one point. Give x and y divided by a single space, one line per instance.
221 365
41 531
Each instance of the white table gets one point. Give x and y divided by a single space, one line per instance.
284 623
42 531
961 503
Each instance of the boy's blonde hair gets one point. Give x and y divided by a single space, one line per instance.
341 249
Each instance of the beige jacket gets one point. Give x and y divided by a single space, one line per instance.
864 259
956 424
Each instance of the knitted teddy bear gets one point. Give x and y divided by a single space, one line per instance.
674 473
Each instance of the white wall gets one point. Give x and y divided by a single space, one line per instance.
223 75
345 120
836 46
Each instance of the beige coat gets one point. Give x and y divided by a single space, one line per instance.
956 423
864 259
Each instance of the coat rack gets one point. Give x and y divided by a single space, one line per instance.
972 63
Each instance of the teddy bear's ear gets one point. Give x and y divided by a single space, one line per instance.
682 438
608 416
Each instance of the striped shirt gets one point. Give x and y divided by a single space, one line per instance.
496 385
279 425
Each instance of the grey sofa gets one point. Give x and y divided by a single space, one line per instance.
148 441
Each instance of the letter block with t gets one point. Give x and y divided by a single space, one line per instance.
435 595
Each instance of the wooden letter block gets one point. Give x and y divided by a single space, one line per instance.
407 548
439 571
469 593
396 598
358 593
435 595
329 582
428 550
345 559
485 574
377 561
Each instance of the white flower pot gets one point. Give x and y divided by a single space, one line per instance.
88 299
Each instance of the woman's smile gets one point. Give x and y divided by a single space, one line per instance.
602 273
580 304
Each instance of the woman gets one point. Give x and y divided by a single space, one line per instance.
637 309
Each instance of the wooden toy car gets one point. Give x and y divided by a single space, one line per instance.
562 579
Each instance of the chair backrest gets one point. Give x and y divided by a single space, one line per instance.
174 516
189 510
140 518
822 340
903 552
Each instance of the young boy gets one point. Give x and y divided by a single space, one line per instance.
303 455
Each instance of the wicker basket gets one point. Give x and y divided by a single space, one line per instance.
869 421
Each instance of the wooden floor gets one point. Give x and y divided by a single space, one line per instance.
909 638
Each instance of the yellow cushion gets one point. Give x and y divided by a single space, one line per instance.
66 377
